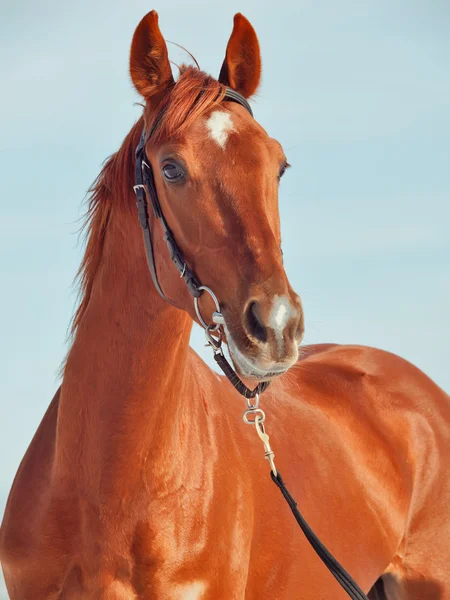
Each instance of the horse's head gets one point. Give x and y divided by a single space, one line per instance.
217 174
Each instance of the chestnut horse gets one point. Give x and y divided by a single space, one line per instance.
142 480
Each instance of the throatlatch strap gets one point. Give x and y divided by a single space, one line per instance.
335 568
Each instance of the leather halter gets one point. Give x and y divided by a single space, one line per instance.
145 185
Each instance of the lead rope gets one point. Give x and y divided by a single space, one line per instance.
335 568
254 415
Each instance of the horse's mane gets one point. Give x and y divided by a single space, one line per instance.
193 93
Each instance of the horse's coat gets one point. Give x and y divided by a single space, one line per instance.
142 481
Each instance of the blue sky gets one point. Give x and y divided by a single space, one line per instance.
358 93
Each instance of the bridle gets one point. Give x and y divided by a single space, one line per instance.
145 188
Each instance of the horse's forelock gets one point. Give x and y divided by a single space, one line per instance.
193 94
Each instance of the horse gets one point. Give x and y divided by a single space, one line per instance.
142 481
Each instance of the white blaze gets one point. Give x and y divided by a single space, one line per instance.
219 126
280 315
282 311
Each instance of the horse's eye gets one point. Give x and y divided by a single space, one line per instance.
282 171
172 172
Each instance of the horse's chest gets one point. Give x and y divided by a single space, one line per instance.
194 539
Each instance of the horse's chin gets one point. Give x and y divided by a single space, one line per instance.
246 367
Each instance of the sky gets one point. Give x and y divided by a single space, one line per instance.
358 93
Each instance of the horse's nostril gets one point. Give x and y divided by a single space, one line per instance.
255 325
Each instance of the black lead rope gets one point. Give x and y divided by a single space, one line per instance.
335 568
333 565
145 187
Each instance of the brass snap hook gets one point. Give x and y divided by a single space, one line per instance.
268 452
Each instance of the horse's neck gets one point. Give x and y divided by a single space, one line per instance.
124 391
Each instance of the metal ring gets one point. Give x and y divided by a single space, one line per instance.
255 412
203 288
251 406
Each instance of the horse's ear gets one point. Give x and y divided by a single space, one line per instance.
241 69
149 60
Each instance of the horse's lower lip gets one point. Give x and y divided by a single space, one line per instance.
268 375
259 375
